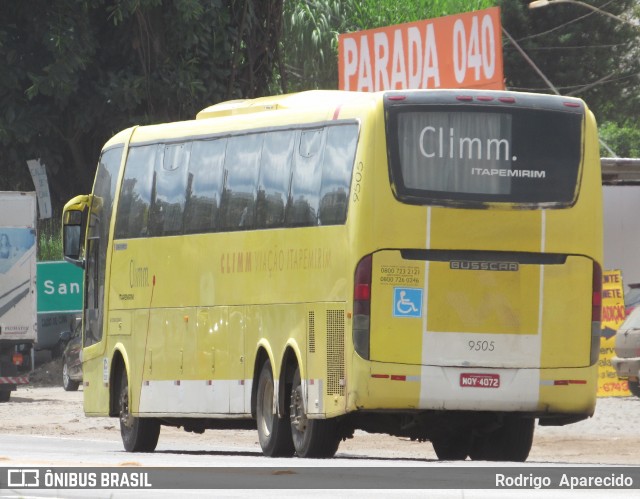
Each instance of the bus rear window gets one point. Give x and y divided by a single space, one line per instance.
520 156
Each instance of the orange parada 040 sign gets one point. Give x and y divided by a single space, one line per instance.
460 51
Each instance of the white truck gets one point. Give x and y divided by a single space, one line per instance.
18 312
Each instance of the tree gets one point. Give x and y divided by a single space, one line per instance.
624 139
311 29
74 72
583 53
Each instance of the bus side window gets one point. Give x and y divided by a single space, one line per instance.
135 195
337 168
204 186
302 209
170 190
275 178
239 197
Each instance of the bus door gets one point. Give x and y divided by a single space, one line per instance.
100 213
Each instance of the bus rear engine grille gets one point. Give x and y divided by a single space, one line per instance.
335 352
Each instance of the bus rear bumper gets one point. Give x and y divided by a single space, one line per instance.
542 392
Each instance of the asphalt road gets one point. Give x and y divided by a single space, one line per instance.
238 472
45 429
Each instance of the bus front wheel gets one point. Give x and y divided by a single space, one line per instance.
138 434
273 432
311 437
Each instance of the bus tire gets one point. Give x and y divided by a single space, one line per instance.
511 442
273 431
68 384
311 437
452 446
138 434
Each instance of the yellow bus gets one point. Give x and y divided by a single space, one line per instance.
425 264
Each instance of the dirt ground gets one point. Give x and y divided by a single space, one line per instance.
612 436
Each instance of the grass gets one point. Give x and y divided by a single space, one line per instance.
49 240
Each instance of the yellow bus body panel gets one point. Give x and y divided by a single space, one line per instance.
190 314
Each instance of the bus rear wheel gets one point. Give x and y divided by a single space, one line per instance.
273 432
138 434
311 437
452 446
510 442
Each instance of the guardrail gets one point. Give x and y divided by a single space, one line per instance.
620 171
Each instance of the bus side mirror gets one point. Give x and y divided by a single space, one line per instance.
74 229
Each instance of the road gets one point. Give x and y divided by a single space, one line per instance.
45 427
244 472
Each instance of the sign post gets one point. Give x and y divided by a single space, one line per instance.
41 183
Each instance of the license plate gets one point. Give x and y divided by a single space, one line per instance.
480 380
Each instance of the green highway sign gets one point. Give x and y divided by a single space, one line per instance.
59 287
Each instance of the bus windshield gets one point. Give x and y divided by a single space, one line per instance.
441 155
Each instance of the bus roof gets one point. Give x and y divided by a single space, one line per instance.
302 107
309 99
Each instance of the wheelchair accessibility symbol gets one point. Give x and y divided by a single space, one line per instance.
407 302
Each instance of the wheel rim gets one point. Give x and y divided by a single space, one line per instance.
65 374
125 416
298 418
267 408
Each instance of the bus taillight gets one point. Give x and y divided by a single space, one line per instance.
362 307
17 359
596 313
596 300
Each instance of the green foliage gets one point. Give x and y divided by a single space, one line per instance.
74 72
624 139
583 53
49 240
311 29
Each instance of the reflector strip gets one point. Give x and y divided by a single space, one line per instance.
570 382
14 380
396 377
562 382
